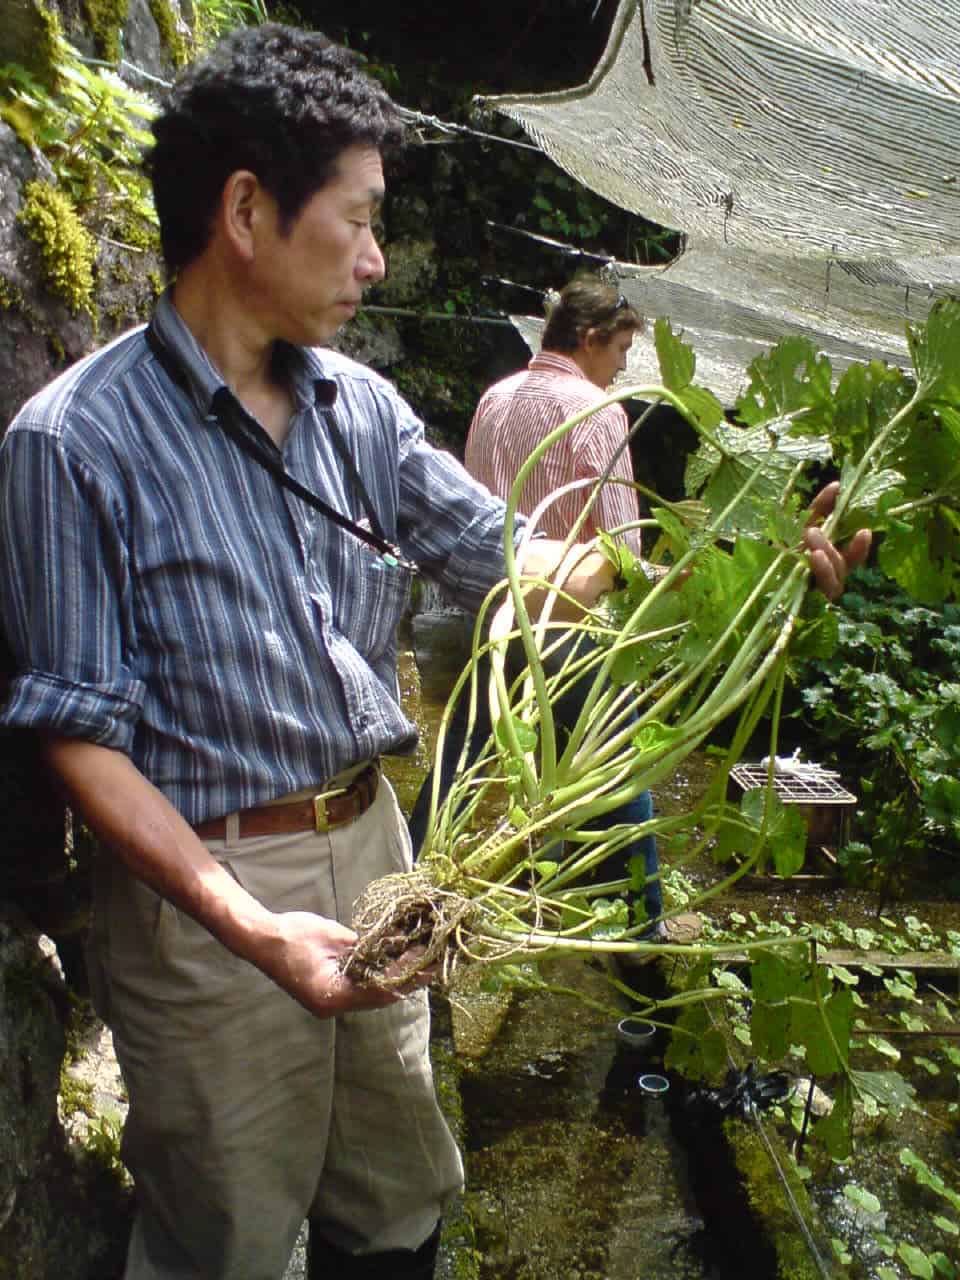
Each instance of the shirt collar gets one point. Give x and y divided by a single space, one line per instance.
190 366
554 362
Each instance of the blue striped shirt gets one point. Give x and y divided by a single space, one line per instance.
164 596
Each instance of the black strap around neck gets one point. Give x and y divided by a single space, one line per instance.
245 432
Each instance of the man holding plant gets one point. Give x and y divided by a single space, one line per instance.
207 534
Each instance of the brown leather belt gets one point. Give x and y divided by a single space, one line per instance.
321 812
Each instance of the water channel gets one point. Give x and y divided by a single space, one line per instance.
574 1173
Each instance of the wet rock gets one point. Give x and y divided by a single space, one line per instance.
47 1226
821 1104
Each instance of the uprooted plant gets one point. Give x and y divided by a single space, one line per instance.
675 655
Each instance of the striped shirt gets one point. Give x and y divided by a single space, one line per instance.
164 596
516 414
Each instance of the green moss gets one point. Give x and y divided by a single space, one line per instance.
171 33
10 295
105 19
47 60
138 231
67 250
121 272
768 1199
20 119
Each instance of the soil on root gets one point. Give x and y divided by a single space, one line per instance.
406 916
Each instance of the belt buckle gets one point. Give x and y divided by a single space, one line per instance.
320 820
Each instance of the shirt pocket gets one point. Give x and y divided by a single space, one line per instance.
370 601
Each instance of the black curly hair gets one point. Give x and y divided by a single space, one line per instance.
277 100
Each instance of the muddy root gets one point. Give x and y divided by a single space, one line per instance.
397 913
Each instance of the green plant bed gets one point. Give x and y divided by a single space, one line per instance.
884 709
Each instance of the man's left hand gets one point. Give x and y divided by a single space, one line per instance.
831 564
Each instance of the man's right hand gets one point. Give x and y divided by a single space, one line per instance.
304 957
300 951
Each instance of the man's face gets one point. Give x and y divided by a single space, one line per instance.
308 282
604 360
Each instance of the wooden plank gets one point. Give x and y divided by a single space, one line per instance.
802 880
926 964
921 962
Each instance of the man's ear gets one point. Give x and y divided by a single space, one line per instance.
240 212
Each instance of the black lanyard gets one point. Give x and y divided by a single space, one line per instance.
246 433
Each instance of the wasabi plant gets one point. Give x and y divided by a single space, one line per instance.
674 656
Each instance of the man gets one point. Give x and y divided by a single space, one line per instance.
210 658
585 343
195 643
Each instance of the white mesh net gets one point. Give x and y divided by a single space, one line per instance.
809 150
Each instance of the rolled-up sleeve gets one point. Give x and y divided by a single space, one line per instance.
65 594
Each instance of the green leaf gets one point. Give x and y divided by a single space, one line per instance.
577 908
653 737
867 397
835 1130
888 1087
770 1026
840 1251
697 1047
526 735
945 1224
703 406
777 975
611 919
679 524
841 974
735 834
941 797
807 1028
928 1177
862 1198
935 348
676 357
884 1046
917 1261
789 378
817 632
924 556
784 828
762 456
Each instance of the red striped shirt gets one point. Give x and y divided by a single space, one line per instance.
515 414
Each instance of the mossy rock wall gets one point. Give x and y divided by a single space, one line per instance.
66 285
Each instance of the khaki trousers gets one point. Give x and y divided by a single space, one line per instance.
248 1114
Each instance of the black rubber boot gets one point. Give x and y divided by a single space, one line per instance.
326 1262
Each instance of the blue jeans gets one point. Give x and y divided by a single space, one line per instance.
566 712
